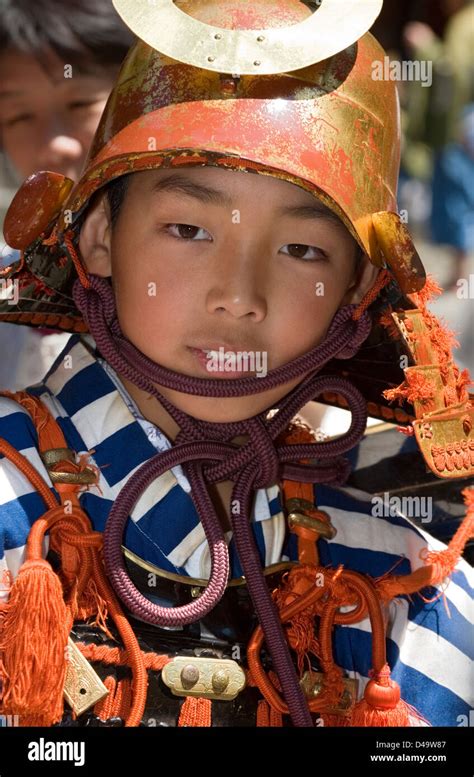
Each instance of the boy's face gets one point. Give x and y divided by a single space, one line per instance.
48 116
206 259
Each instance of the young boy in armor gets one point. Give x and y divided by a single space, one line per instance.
234 252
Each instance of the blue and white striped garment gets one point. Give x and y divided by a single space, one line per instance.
429 650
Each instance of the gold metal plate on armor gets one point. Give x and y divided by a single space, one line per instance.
334 26
83 687
312 685
297 516
55 455
209 678
446 440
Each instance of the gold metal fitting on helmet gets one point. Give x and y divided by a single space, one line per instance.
268 51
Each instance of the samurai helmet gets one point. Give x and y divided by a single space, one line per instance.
286 89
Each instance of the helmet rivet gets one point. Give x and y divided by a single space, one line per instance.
210 59
189 675
217 36
220 681
257 62
261 37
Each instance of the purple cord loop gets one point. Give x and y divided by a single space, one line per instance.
207 455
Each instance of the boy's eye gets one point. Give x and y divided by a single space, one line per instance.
299 251
23 117
78 104
185 231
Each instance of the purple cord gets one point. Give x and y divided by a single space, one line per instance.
208 456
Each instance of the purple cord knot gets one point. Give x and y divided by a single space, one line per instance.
267 462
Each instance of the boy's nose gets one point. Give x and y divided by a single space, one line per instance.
238 306
236 292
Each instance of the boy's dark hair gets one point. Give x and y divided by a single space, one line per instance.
115 194
84 33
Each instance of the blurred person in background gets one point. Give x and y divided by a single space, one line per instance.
452 215
58 62
433 115
437 187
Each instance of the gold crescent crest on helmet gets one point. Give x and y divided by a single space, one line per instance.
334 26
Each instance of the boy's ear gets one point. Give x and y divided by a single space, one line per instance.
95 239
364 278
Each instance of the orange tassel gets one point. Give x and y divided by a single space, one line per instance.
389 324
275 718
430 290
195 711
415 387
463 381
94 607
35 631
263 714
382 705
268 716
